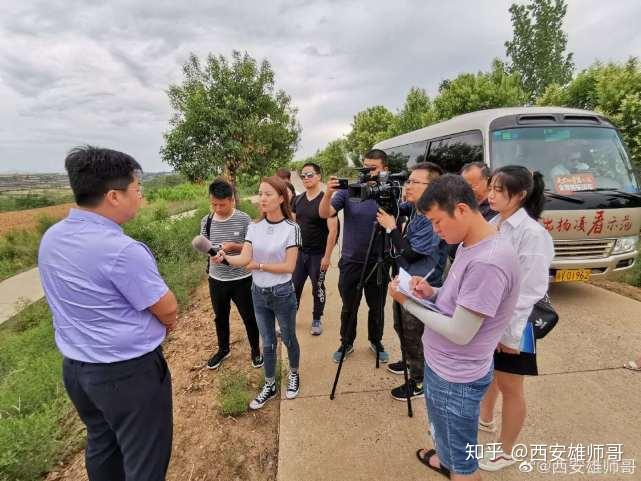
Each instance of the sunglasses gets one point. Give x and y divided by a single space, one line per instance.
307 175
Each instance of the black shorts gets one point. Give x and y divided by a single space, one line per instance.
523 363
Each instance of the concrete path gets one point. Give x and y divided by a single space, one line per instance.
582 396
24 289
18 292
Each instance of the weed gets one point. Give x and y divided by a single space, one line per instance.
234 394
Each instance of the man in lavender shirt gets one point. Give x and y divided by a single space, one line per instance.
111 312
473 308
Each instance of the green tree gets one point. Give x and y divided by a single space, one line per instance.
369 126
228 118
416 113
614 89
484 90
537 48
333 157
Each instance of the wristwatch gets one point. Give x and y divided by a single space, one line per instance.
389 231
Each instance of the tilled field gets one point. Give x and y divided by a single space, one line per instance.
28 219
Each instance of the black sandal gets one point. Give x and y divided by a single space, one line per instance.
426 461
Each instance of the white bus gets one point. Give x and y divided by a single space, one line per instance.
593 202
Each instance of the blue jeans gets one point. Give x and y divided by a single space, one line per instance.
453 410
271 303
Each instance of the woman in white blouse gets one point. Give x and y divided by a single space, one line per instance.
269 252
517 195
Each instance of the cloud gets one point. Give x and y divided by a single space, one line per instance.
71 73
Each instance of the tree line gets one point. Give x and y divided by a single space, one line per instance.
229 118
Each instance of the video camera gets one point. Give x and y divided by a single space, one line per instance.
384 188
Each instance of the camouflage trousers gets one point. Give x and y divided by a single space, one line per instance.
412 342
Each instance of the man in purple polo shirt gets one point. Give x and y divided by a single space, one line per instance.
111 312
360 221
474 307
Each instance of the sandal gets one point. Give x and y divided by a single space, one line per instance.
426 461
632 366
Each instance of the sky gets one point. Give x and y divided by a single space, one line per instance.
89 72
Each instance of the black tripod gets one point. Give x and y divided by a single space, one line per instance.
379 271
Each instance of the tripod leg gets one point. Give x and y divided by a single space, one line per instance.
401 335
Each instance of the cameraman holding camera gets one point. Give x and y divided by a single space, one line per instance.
419 251
360 219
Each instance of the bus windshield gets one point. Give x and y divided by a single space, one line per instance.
571 159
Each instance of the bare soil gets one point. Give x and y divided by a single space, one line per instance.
207 445
28 219
622 288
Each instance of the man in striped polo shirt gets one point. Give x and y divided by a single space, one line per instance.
226 227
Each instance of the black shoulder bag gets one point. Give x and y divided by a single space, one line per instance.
207 233
543 317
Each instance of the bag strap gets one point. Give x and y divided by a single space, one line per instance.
208 232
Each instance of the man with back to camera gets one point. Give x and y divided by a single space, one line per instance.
360 219
474 307
111 312
226 226
319 238
419 251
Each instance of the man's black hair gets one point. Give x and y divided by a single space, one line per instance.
433 170
485 170
377 154
445 192
221 189
94 171
284 173
316 167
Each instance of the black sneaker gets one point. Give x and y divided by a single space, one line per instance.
395 367
257 361
217 359
293 385
268 392
400 393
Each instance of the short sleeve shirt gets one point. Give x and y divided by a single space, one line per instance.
484 278
99 284
313 227
232 229
270 242
360 220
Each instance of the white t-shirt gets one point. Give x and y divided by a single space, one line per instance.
270 242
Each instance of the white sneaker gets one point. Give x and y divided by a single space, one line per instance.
487 427
500 460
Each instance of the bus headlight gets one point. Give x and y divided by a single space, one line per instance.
625 244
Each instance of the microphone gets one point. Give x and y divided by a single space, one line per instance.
202 244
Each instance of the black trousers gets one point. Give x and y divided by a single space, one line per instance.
239 291
349 275
127 408
308 265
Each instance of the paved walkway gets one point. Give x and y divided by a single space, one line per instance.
18 292
582 395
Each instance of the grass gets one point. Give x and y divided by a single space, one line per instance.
34 431
38 425
19 249
633 277
32 200
234 394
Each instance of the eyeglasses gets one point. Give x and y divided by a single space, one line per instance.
139 190
307 175
414 182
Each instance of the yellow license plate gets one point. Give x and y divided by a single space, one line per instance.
568 275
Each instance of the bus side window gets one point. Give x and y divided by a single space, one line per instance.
453 152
